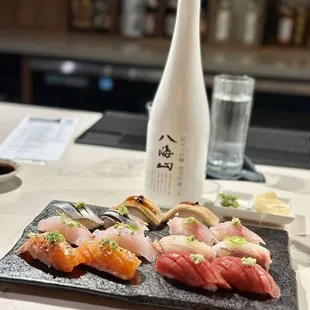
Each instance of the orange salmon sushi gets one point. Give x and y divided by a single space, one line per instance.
107 256
53 250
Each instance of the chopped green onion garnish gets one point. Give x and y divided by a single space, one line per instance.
54 237
122 210
191 220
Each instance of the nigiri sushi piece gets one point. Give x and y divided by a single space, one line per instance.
108 256
245 275
52 249
239 247
191 269
235 228
189 244
187 209
143 208
190 226
122 215
74 232
81 213
130 238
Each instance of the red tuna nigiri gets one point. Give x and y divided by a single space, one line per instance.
191 269
245 275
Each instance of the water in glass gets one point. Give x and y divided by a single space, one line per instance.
229 125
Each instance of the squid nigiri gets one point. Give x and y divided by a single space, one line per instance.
191 226
191 269
107 256
52 250
245 275
235 228
239 247
74 232
189 244
130 238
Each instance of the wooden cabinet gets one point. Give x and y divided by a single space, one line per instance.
52 14
7 13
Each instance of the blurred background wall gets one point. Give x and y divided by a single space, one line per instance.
109 54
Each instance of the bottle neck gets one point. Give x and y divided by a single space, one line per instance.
186 37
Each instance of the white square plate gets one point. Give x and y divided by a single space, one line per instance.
246 210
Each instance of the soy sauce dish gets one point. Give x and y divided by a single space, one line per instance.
8 169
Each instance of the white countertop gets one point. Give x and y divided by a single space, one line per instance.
103 176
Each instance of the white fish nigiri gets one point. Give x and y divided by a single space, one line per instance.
178 243
238 247
191 227
131 238
74 232
235 228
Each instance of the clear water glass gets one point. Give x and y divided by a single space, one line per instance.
230 115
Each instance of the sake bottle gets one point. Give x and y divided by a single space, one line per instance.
178 128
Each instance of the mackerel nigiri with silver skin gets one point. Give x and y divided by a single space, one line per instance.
191 227
238 247
235 228
189 244
122 215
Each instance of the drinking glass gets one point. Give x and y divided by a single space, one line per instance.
230 116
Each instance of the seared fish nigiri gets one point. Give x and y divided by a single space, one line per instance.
187 209
143 208
245 275
52 250
131 238
239 247
74 232
191 227
191 269
107 256
235 228
189 244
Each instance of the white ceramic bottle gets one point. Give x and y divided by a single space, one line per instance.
178 128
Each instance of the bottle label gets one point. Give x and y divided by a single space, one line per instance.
285 30
222 25
250 27
176 164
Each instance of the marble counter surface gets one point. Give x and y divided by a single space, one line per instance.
104 176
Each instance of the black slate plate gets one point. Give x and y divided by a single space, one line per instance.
149 287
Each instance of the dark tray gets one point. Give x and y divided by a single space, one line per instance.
150 288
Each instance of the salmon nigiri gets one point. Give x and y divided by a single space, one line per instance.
235 228
74 232
191 227
191 269
52 250
239 247
131 238
189 244
107 256
245 275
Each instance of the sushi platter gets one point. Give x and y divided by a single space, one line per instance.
183 258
